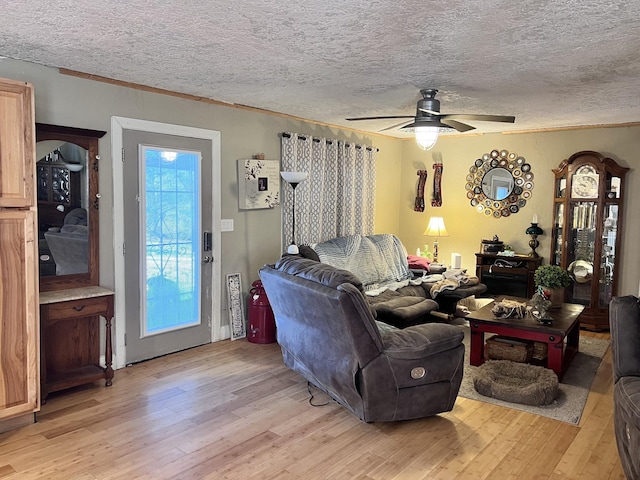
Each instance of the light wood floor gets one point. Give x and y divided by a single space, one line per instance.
231 410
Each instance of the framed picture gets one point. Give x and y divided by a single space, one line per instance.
258 183
235 305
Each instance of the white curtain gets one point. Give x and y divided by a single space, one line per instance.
338 196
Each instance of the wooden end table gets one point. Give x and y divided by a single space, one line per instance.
566 325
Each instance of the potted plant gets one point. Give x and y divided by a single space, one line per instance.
551 281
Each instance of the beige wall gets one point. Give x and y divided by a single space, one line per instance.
544 151
76 102
70 101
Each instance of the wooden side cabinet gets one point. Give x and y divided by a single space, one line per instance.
505 275
70 338
18 314
17 148
19 331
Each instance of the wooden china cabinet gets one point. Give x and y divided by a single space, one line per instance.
19 317
586 237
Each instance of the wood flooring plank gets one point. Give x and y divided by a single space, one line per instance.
6 470
231 455
186 462
232 411
132 463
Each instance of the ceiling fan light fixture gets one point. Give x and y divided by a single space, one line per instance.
427 131
429 123
426 137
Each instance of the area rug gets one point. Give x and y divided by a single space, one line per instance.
574 387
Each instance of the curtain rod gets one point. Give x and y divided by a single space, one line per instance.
330 142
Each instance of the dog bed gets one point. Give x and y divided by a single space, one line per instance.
516 382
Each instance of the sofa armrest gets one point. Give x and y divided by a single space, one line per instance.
624 314
626 415
420 341
423 355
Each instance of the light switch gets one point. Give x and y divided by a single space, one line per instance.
226 225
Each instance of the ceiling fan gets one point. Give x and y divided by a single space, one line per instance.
428 122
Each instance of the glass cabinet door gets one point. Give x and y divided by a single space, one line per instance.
608 256
558 234
561 187
612 187
581 255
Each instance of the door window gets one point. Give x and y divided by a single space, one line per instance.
170 234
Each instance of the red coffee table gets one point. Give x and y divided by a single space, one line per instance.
562 336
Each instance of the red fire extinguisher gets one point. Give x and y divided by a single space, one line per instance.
262 323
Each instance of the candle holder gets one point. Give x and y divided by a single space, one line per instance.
534 230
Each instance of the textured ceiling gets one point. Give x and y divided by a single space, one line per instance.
549 63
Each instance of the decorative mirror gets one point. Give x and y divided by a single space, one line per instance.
499 183
68 202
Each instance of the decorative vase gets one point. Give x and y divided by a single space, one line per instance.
556 297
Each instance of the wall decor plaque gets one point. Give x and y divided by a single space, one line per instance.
258 183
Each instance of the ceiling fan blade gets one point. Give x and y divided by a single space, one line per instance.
481 118
393 126
380 118
461 127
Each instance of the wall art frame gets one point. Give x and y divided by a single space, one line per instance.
235 306
258 184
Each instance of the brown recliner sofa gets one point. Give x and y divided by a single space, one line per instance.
624 319
328 334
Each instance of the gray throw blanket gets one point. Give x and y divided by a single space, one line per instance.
377 260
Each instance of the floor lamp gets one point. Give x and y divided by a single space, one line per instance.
436 228
293 179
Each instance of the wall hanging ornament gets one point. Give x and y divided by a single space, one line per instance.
499 183
437 185
419 204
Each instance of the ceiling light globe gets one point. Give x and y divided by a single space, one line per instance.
426 137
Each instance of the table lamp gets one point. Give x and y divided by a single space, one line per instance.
436 228
534 230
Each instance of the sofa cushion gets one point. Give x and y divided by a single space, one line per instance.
75 229
307 252
317 272
422 340
625 333
77 216
384 327
402 311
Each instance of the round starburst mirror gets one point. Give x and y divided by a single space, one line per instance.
499 183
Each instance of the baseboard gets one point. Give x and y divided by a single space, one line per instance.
17 422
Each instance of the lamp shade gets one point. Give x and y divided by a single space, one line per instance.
294 177
436 228
534 229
